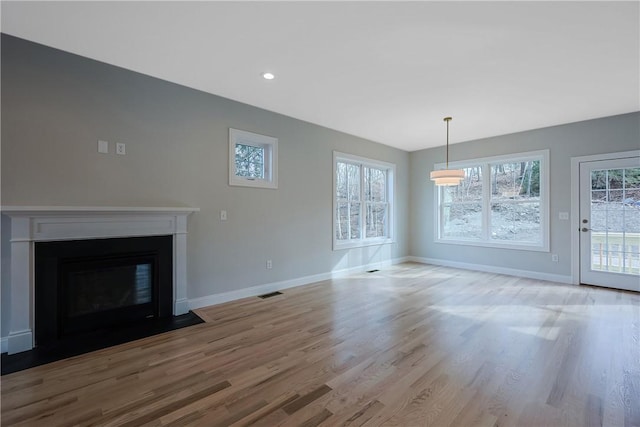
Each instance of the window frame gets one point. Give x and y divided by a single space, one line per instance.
268 144
485 240
390 196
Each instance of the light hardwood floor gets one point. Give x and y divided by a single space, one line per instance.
410 345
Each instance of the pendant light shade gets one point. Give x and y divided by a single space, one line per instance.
447 177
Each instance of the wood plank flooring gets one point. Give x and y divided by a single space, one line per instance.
411 345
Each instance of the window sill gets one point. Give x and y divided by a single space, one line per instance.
513 246
256 183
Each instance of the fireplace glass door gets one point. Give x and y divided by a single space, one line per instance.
88 288
95 293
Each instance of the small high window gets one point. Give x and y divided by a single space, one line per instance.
253 159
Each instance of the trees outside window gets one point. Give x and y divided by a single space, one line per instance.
502 202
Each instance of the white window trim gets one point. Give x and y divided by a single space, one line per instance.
270 146
364 241
486 202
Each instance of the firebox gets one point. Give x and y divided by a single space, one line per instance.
88 287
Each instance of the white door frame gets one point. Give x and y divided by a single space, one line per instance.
575 204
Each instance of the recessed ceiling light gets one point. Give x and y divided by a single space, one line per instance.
268 76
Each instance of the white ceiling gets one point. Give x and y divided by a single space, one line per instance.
385 71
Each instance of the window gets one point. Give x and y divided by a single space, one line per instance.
502 202
253 159
363 201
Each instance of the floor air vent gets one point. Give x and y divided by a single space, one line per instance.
269 295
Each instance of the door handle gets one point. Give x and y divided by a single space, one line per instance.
584 229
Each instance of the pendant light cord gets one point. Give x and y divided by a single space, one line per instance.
447 144
447 119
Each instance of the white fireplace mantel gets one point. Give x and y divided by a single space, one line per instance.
30 224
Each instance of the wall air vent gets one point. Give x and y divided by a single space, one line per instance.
269 295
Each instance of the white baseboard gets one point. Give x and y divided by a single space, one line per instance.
3 345
285 284
492 269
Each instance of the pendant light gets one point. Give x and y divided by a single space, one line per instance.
449 177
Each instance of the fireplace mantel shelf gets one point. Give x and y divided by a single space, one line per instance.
32 224
67 210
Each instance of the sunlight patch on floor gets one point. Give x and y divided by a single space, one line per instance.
549 333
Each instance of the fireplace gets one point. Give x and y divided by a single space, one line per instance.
96 286
33 226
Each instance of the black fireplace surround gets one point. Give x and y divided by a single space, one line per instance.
87 287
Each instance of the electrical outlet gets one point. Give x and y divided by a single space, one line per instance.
269 264
121 148
554 257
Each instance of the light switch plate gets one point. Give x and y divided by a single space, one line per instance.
564 216
223 215
103 146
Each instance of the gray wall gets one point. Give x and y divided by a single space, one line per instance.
55 106
606 135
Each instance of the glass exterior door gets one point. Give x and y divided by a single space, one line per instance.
610 223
